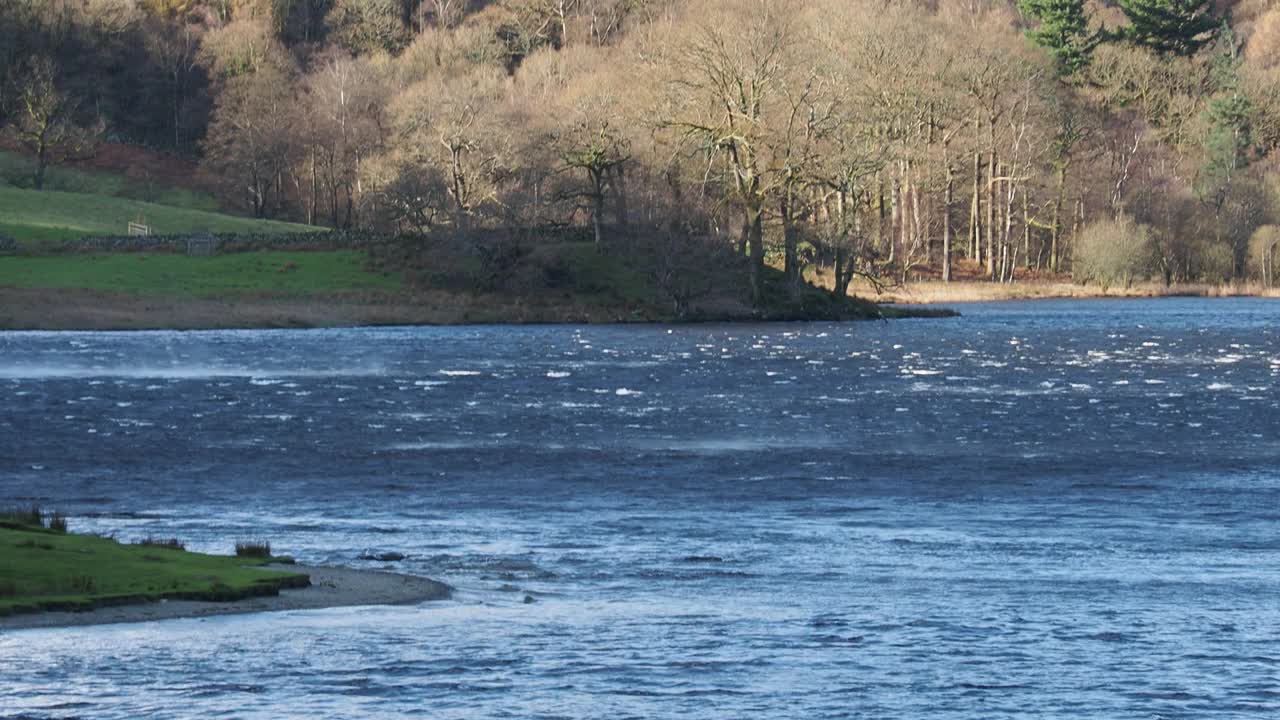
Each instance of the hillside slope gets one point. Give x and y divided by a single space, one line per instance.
38 218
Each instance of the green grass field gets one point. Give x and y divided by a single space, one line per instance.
36 218
40 220
178 275
45 570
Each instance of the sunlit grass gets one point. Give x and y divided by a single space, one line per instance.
45 570
42 217
295 272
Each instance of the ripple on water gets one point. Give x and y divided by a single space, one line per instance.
927 520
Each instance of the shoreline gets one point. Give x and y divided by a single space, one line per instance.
102 310
932 292
99 310
330 587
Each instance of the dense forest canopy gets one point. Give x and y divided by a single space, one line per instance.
859 137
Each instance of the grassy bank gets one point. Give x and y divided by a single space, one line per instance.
546 275
40 219
45 569
281 273
627 281
405 283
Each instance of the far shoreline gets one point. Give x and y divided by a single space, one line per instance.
331 587
936 292
52 310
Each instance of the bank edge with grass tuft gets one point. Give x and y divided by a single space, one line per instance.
46 570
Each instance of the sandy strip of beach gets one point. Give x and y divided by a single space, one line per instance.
330 587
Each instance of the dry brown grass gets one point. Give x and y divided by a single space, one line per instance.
927 289
933 291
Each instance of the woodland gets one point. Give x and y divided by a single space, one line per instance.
841 139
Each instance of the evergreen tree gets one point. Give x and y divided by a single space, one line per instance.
1229 126
1063 31
1179 27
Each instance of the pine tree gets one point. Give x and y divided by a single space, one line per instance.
1063 31
1229 125
1178 27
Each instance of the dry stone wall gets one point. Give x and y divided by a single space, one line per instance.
225 242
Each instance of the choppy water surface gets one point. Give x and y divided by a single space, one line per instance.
1057 509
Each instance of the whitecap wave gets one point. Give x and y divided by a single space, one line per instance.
175 372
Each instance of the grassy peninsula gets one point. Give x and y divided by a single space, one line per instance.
51 280
45 568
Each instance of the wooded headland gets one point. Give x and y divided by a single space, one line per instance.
764 143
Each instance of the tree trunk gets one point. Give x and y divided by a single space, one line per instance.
562 13
1007 253
791 258
946 218
622 209
177 111
597 215
597 208
975 212
991 212
256 194
315 190
42 164
839 285
596 229
879 208
917 221
755 242
1077 219
1026 230
895 210
1057 218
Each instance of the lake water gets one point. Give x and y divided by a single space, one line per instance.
1051 509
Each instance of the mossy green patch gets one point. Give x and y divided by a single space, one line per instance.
44 570
293 272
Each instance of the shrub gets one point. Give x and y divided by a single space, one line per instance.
1112 252
34 516
498 262
253 548
1264 252
168 543
29 515
57 522
1214 262
83 584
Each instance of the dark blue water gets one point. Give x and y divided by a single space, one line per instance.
1052 509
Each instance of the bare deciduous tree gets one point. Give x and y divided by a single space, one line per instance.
455 124
250 142
46 119
730 91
